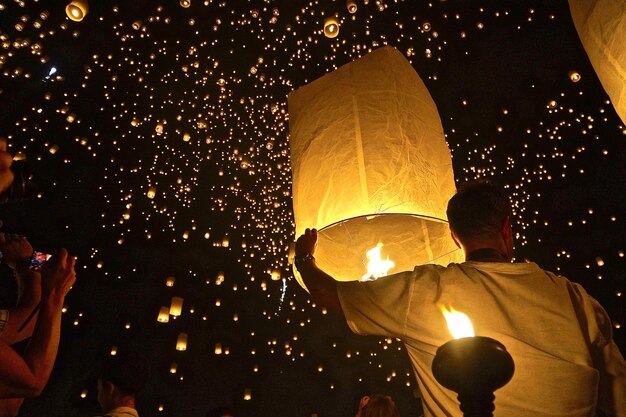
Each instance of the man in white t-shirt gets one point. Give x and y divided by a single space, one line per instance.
566 362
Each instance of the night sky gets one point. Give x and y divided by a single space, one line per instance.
159 148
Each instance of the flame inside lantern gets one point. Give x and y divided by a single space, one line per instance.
376 267
458 323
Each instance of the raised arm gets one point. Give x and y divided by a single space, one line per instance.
26 375
323 287
16 250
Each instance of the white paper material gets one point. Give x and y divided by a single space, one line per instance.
601 26
370 165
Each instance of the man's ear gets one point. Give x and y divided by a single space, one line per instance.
456 241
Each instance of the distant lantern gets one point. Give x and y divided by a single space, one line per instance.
137 24
169 282
218 348
185 3
151 192
247 394
164 315
83 393
176 306
113 351
173 368
275 275
77 10
181 342
351 6
387 172
574 76
600 26
225 241
331 27
159 129
186 137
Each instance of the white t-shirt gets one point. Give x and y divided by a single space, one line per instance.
559 337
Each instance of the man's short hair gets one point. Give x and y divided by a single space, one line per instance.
128 371
380 406
477 210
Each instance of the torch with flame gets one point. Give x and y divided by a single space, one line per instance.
472 366
376 267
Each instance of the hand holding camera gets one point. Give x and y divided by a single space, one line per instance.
58 275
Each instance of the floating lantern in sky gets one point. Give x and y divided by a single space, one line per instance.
164 315
351 6
185 3
605 47
370 165
331 27
176 306
181 342
77 10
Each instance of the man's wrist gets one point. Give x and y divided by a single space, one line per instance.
302 258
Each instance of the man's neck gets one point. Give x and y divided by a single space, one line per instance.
486 255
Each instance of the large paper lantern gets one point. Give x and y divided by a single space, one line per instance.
371 168
77 10
601 26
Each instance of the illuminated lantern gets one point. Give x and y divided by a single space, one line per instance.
181 342
218 348
170 281
164 315
371 166
275 275
185 3
173 368
351 5
176 306
601 28
151 192
247 394
331 27
77 10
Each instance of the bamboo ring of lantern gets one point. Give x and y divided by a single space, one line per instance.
77 10
331 27
602 30
370 165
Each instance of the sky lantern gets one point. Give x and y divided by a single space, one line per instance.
181 342
371 168
77 10
176 306
600 26
331 27
164 315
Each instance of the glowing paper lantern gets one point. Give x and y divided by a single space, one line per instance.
370 165
351 6
164 315
331 27
77 10
176 306
601 26
181 342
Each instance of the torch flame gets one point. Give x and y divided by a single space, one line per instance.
376 267
458 323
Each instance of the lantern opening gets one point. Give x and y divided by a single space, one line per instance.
376 267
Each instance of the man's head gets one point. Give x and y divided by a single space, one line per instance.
480 216
122 377
379 406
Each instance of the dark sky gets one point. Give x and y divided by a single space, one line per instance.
220 72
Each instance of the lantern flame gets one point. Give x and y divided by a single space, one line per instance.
376 267
458 323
